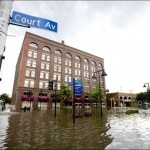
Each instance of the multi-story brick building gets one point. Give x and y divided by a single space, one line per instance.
42 60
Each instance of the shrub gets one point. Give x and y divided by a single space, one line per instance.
131 111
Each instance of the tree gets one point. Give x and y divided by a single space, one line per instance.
5 97
142 97
96 94
64 93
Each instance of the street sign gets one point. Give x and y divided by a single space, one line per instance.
36 22
78 90
77 83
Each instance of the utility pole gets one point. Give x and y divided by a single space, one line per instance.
5 10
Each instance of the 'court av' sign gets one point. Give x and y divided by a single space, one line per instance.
26 20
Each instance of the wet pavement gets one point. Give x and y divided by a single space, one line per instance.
41 130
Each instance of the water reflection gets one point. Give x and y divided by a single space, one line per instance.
40 130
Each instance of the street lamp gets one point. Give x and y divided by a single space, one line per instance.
95 77
147 89
107 91
145 85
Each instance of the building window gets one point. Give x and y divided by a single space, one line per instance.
46 75
46 85
59 77
77 58
66 62
55 68
41 75
42 65
33 73
57 52
59 60
69 71
76 72
29 63
29 83
58 86
47 66
76 64
41 85
27 73
69 79
66 70
26 83
54 76
59 69
33 45
33 64
68 55
55 59
29 53
46 57
32 84
66 79
69 63
46 49
43 57
79 72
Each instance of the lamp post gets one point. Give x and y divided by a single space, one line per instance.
55 88
145 85
107 91
147 89
99 76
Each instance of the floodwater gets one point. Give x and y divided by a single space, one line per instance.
41 130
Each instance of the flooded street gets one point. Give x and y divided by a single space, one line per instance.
41 130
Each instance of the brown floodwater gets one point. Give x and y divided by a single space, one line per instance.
41 130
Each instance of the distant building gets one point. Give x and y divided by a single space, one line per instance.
42 60
119 98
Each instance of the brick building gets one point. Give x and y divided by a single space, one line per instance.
42 60
119 98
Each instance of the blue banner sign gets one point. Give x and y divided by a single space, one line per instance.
36 22
78 90
77 83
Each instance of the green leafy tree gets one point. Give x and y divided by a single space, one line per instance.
96 94
64 93
5 97
142 97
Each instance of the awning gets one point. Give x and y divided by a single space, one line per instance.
43 98
27 98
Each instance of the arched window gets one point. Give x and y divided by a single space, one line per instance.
68 55
33 45
85 60
58 52
93 63
46 49
77 57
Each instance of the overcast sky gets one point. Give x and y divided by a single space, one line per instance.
118 31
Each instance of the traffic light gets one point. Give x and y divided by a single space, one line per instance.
50 85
